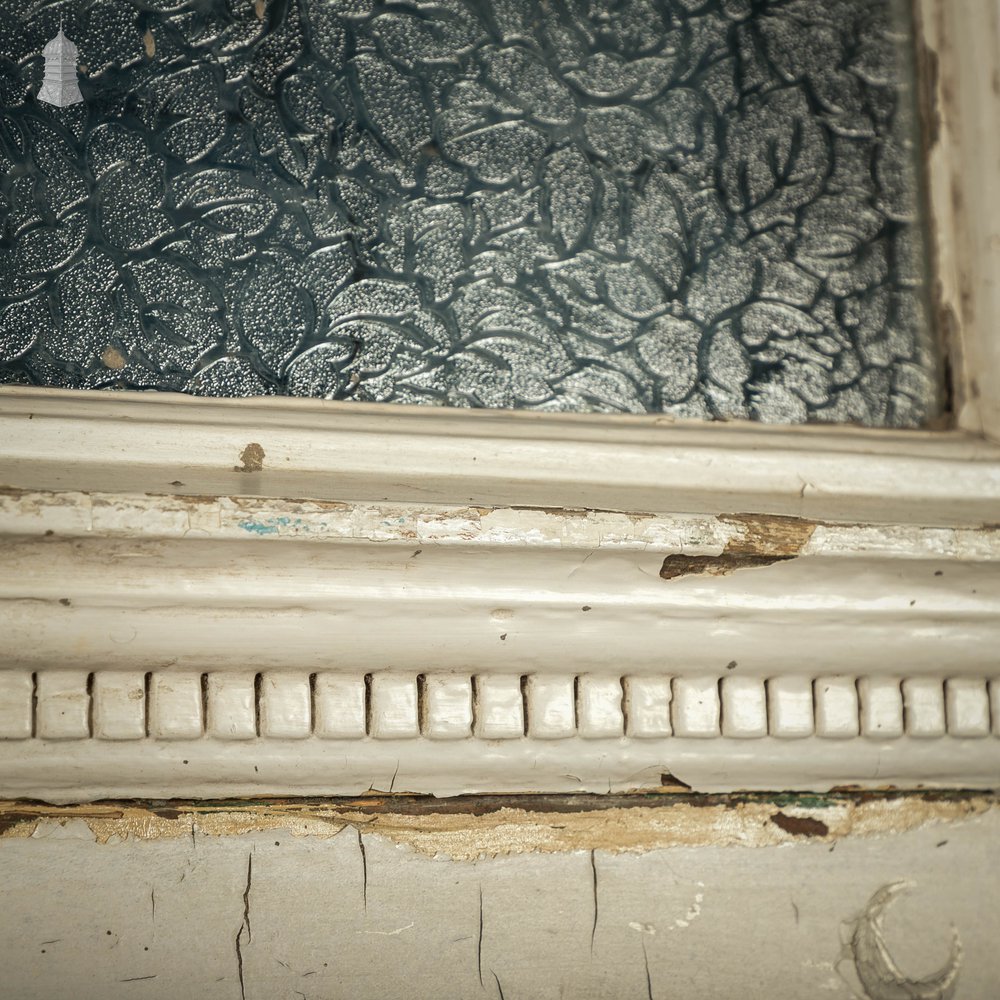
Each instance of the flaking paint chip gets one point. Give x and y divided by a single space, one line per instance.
252 458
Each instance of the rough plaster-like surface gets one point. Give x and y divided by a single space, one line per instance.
348 912
475 827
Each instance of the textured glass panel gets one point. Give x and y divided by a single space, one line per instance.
701 207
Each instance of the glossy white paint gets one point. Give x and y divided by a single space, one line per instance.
79 771
175 705
393 707
109 705
500 707
536 558
329 733
836 707
967 707
17 691
600 707
447 707
695 709
512 649
118 706
340 707
647 701
193 598
62 711
744 707
923 705
550 707
790 707
231 706
285 707
881 702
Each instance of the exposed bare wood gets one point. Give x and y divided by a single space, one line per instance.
959 56
795 915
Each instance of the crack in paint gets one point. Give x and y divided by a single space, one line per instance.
479 941
244 926
593 929
649 980
364 870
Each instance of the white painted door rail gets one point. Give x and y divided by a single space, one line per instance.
165 639
281 596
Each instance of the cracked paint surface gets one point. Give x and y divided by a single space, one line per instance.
237 907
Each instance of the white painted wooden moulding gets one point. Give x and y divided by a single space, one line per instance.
792 731
224 645
172 705
278 596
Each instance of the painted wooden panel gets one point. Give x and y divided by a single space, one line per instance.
776 901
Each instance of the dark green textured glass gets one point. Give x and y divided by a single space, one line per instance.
705 208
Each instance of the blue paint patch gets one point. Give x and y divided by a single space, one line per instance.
259 529
275 526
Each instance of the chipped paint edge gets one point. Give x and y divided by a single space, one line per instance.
506 831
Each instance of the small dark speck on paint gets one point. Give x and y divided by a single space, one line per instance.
731 665
586 607
939 572
504 636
